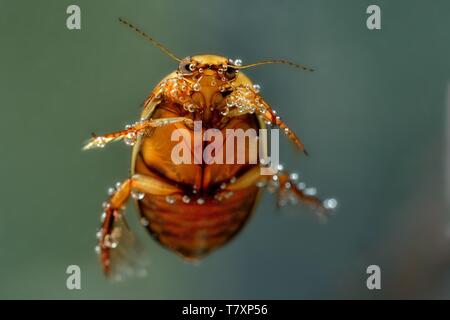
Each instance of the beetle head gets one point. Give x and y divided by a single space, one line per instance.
218 69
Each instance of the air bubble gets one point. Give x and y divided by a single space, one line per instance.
137 195
100 142
196 86
200 201
170 199
310 191
186 199
330 203
130 139
261 184
256 88
111 191
238 62
97 250
293 176
144 221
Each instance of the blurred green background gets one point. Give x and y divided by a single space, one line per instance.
373 118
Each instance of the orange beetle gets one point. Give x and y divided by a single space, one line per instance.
193 208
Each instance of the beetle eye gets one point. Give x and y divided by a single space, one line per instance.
230 73
186 66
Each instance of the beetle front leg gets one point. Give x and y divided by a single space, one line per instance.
245 99
131 132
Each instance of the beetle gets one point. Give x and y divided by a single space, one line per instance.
190 208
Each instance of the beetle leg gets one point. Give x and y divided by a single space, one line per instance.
116 241
287 188
131 132
115 237
245 99
270 116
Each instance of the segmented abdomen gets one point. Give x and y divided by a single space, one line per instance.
193 229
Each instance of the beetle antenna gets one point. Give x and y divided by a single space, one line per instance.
153 41
296 65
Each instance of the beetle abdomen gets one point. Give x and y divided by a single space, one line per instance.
193 229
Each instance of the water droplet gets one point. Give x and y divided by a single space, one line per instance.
137 195
192 67
186 199
293 176
223 185
97 250
330 203
287 185
275 178
280 167
111 191
118 185
233 180
213 83
256 88
99 234
301 186
103 217
170 199
238 62
200 201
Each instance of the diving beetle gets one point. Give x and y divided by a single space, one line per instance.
194 208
